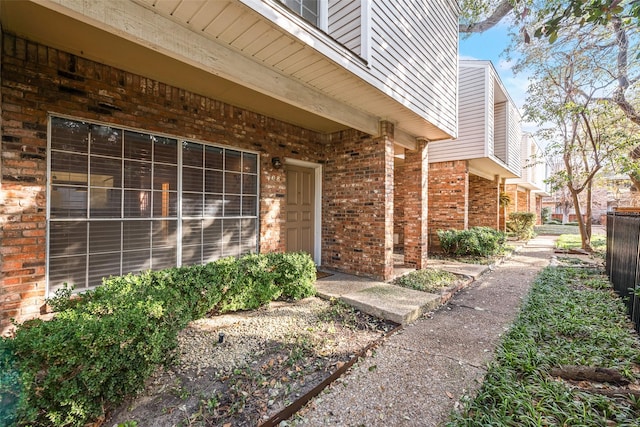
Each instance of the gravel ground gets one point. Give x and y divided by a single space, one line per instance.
267 359
417 377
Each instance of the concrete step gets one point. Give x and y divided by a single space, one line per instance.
390 302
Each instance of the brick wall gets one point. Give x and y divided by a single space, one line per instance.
523 201
448 198
357 228
414 186
37 79
399 220
483 202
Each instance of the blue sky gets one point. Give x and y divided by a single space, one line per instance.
489 45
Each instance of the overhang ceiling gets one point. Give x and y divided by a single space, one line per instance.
288 79
46 26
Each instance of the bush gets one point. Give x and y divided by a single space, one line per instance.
426 280
521 224
103 344
476 241
545 214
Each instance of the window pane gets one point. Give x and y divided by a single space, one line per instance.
165 234
68 202
165 150
191 255
69 135
249 207
192 179
106 140
213 205
192 232
191 204
163 258
249 162
165 177
212 231
231 237
137 145
232 206
213 157
249 184
137 174
136 235
102 266
211 253
233 160
69 270
214 181
67 238
104 236
67 168
192 154
106 172
105 203
232 183
136 261
137 204
165 204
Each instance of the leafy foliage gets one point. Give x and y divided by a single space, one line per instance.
103 344
476 241
570 317
521 224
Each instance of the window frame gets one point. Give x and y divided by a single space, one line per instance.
124 220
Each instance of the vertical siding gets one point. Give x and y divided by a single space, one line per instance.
345 24
472 125
500 114
414 48
491 116
514 162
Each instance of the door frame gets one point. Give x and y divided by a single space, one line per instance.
317 204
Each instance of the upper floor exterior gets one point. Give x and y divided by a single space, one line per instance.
325 65
534 168
489 132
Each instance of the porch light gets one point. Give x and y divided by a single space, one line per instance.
276 162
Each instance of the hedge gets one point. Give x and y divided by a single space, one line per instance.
100 347
476 241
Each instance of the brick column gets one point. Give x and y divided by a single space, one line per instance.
484 208
414 188
448 200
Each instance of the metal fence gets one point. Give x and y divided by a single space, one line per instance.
623 259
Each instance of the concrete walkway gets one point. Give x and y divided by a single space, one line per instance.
417 377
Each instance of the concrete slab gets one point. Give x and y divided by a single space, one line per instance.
471 270
400 305
380 299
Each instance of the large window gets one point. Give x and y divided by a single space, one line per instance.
124 201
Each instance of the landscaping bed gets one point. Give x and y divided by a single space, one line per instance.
269 357
571 358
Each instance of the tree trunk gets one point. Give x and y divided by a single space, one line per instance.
586 241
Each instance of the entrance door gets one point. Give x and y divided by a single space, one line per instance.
300 209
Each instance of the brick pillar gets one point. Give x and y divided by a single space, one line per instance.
448 200
484 208
414 188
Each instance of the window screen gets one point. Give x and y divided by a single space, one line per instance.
124 201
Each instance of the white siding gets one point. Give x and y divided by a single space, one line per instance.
514 162
500 131
473 120
414 47
345 24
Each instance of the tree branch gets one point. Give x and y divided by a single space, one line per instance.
502 10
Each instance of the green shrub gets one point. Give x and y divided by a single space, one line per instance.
476 241
103 344
521 224
545 215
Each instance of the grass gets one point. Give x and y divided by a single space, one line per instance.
573 241
426 280
556 230
570 317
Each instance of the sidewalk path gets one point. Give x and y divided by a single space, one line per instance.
417 376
